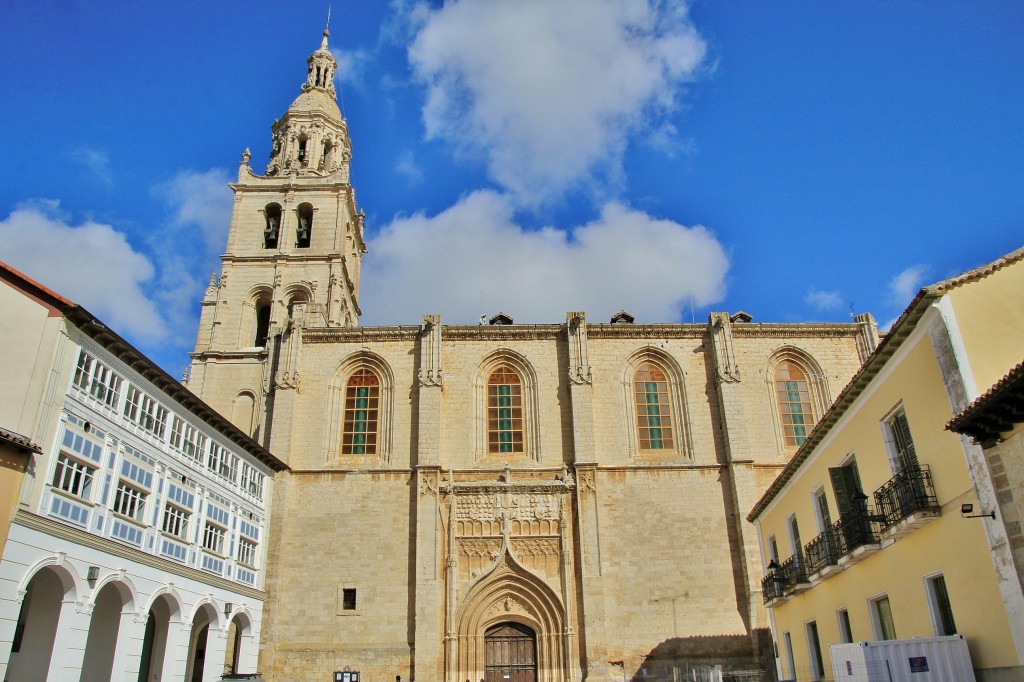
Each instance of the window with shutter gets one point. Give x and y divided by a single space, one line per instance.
906 455
845 484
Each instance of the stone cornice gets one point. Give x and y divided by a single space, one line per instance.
349 334
646 331
785 330
59 530
259 355
501 332
334 257
524 476
285 183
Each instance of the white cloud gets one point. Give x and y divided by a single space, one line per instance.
904 286
549 93
406 165
97 162
823 300
351 65
91 263
200 203
623 259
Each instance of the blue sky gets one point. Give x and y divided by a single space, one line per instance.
795 160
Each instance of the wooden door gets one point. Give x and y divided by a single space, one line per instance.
510 651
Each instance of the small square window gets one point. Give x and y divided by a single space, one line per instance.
348 599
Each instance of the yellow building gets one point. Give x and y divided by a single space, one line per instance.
996 422
862 534
15 453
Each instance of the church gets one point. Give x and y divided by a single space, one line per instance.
496 501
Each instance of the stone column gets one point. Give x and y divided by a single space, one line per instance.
216 646
9 610
69 641
429 625
176 651
742 491
581 393
131 633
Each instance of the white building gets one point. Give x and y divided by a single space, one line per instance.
136 551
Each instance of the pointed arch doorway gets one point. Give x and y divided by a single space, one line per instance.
510 653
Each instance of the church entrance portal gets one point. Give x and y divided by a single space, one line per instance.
511 653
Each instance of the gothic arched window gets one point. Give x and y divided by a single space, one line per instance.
362 414
653 408
504 411
793 394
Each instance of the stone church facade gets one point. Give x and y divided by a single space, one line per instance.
557 501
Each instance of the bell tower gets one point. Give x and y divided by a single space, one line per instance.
293 254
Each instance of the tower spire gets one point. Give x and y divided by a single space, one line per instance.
327 30
312 138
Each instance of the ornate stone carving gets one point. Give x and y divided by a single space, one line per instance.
430 351
586 481
517 507
579 363
721 339
485 548
288 381
507 605
428 483
527 547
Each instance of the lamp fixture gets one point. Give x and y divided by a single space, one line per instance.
773 565
861 501
228 608
966 511
93 575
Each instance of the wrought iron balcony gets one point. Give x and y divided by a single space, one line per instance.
787 578
908 494
794 574
854 531
822 551
771 585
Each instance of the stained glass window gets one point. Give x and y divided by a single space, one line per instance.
653 411
362 409
794 403
504 411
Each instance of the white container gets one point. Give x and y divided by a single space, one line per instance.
922 659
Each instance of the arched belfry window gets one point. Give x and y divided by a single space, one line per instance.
272 229
327 157
262 323
304 228
362 414
504 411
793 396
655 430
